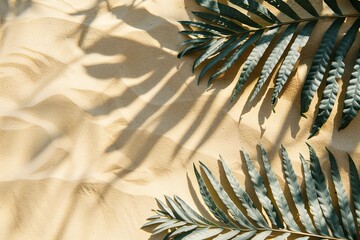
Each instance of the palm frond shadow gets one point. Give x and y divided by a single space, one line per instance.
14 7
310 213
273 46
134 52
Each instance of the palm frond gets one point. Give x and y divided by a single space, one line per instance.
240 218
247 29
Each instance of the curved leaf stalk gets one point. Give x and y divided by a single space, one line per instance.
179 221
268 33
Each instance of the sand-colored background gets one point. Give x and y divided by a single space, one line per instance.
98 117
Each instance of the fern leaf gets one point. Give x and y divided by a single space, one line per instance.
182 235
192 214
178 211
194 40
193 48
284 8
326 104
306 4
215 210
199 34
253 59
230 205
244 197
219 20
336 72
215 46
324 195
294 187
319 65
184 229
261 236
278 194
228 12
346 215
208 27
245 236
274 58
314 205
355 189
282 237
232 46
256 8
168 225
352 99
228 235
155 221
236 55
334 6
261 193
291 59
170 218
205 233
165 208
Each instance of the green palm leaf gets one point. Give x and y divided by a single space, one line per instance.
324 195
245 199
319 65
261 192
209 201
334 6
284 8
254 58
232 46
294 187
291 59
235 56
352 99
176 226
346 215
336 72
314 205
227 11
228 235
306 4
274 58
278 193
355 191
258 31
221 21
231 207
257 9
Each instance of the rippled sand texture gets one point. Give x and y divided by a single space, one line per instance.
98 117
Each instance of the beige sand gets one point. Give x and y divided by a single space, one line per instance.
98 117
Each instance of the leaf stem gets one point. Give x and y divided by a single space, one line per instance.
324 17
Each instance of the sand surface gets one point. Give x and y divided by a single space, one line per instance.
98 117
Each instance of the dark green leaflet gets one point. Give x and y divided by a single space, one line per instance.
352 98
319 65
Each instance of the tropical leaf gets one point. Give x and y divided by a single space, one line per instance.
352 99
355 191
246 29
316 212
319 65
291 59
294 187
346 215
336 72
